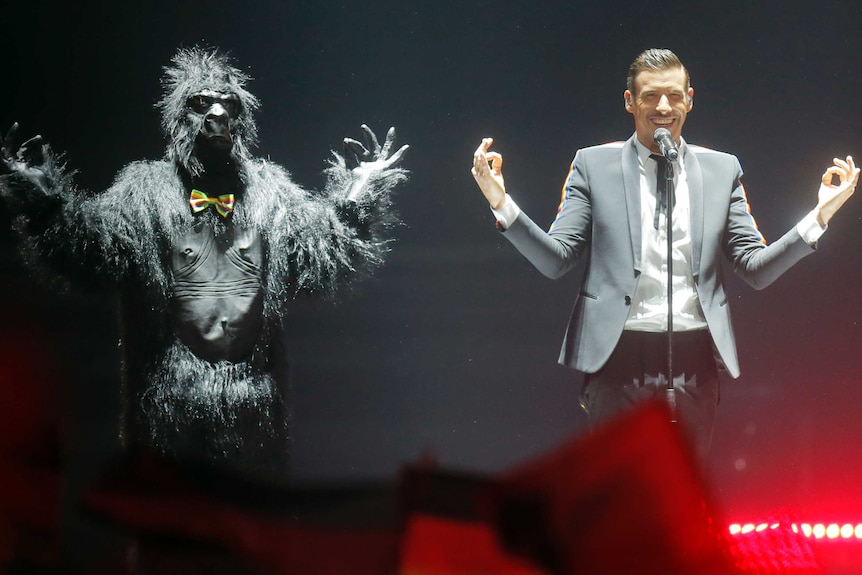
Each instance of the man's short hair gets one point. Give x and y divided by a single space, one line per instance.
655 59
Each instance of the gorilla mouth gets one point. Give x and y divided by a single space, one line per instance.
220 140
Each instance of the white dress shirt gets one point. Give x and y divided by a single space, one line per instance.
649 303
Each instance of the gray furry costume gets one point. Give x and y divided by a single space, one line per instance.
203 286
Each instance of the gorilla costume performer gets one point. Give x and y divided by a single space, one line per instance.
206 246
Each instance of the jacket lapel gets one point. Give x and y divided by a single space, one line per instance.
694 177
631 180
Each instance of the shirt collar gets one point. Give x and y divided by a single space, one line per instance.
644 152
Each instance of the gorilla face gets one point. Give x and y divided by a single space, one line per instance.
207 114
216 113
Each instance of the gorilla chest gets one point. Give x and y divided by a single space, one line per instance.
217 295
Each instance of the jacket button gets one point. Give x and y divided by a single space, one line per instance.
628 300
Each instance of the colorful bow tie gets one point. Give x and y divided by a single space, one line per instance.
199 201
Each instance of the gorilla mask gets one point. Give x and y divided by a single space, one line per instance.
206 110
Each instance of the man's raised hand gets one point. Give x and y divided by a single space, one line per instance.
832 196
488 172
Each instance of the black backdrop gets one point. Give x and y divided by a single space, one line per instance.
449 352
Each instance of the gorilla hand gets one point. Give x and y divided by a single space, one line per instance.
371 157
25 160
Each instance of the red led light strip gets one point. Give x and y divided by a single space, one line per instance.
839 531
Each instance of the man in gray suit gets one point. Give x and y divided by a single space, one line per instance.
611 219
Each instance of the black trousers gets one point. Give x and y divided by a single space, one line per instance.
637 371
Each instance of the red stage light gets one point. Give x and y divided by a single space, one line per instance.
844 531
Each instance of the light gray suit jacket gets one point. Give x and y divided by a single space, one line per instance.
599 224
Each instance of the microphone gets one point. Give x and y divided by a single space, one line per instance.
666 145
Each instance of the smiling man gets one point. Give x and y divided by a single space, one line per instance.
613 219
658 96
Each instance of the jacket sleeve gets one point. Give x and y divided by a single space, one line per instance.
558 250
759 264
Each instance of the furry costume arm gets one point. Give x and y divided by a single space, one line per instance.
321 241
77 235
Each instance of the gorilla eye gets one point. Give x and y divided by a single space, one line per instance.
199 103
231 106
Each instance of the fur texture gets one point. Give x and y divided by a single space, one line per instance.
229 412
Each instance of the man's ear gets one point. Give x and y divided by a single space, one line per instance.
689 99
627 95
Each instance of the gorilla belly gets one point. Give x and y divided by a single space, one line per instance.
217 302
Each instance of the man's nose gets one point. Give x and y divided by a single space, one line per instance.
663 104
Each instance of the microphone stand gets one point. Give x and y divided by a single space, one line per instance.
670 392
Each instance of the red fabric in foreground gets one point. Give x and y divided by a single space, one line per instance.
152 498
627 499
436 546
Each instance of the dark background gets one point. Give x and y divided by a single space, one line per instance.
449 351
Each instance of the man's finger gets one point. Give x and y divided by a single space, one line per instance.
832 171
481 150
841 164
496 162
479 159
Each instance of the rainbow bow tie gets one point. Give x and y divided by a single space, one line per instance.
199 201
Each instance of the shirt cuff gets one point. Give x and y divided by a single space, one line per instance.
809 229
507 213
